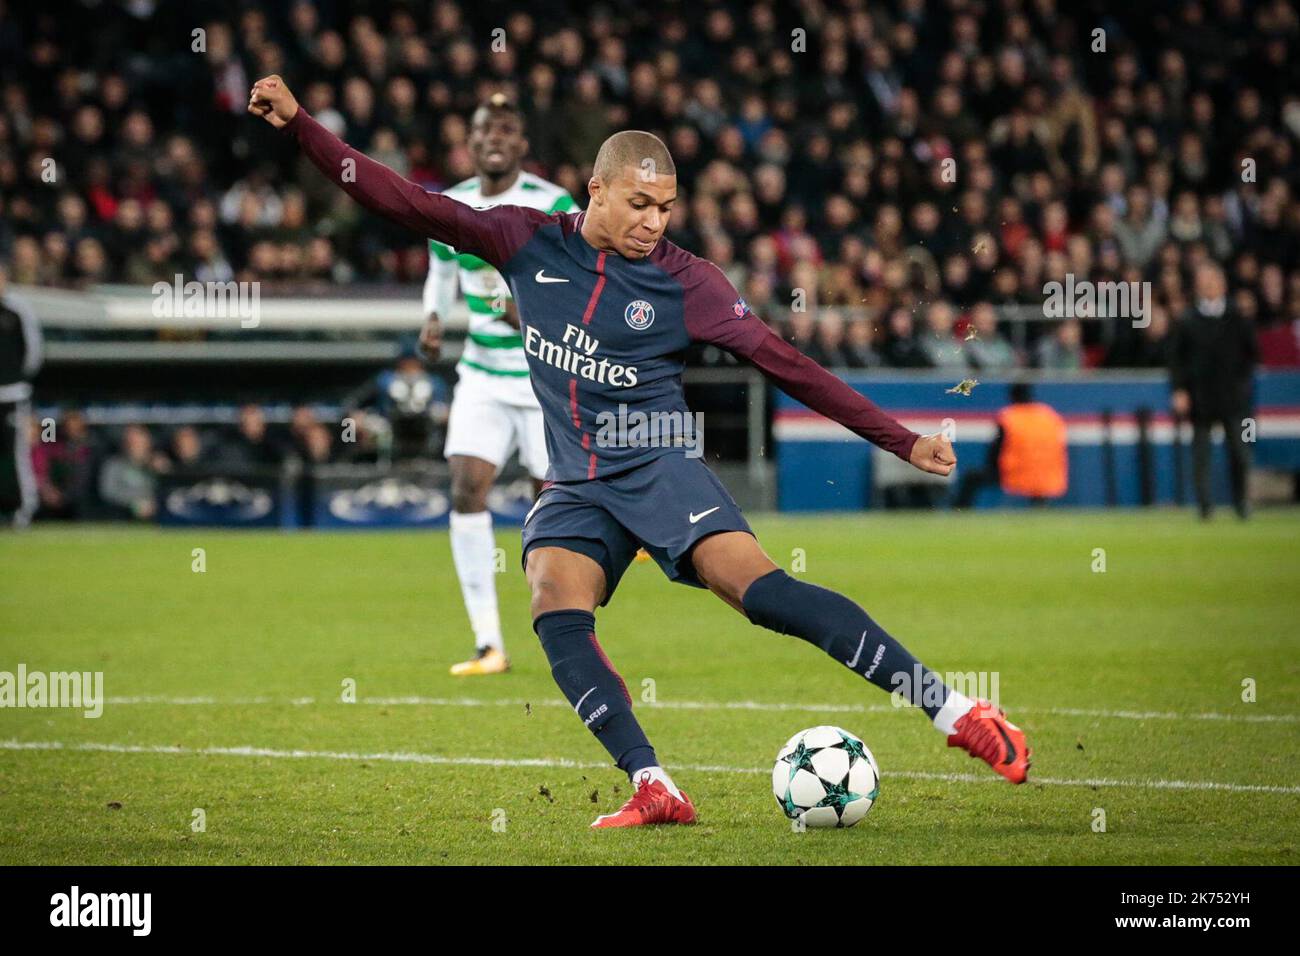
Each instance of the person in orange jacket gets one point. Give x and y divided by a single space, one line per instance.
1030 454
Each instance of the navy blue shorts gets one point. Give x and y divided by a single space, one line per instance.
666 506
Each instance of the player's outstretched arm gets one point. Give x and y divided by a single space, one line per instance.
803 379
716 314
492 234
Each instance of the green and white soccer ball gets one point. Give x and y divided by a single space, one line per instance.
825 777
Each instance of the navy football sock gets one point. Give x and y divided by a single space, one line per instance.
593 687
845 632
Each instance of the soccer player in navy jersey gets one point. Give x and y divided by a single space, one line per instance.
608 308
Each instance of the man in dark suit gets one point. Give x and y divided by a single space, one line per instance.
20 359
1211 363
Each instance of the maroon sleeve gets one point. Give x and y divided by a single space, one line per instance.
716 313
494 234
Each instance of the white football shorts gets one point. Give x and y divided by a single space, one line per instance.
492 417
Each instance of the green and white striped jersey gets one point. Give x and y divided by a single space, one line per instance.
492 344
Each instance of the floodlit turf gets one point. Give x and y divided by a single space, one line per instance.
224 695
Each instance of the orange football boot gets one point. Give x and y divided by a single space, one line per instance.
985 732
652 803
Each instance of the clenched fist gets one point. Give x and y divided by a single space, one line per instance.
271 100
933 453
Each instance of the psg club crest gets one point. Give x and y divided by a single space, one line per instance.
639 314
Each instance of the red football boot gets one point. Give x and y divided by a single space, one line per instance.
652 803
985 732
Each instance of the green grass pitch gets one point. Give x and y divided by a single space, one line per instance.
224 695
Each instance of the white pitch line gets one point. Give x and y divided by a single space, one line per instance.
1164 715
208 701
561 763
754 705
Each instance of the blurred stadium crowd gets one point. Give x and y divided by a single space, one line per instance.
810 138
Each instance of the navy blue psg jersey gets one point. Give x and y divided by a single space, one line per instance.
605 336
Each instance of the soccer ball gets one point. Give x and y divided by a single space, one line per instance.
825 777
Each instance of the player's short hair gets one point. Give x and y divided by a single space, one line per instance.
500 103
633 147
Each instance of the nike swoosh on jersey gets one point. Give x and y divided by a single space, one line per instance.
703 514
545 278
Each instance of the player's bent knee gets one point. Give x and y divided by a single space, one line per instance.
468 501
729 563
471 480
549 594
469 495
558 582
